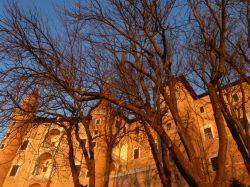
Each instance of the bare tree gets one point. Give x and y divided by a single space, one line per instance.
220 52
133 47
138 39
55 63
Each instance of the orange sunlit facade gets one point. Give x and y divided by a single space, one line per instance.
37 156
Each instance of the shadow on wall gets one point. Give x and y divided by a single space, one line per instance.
35 185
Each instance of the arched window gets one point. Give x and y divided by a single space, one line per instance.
44 164
52 138
121 151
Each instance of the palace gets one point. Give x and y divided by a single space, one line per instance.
37 156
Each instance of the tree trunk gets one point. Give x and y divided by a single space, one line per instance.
238 141
233 125
108 165
92 173
188 171
166 163
164 176
223 139
74 172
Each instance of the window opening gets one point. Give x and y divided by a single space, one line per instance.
98 122
14 170
24 145
136 153
208 133
235 97
214 162
2 146
202 110
169 126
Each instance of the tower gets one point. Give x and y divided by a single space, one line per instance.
18 128
101 123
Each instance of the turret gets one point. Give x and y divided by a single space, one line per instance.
29 103
107 92
28 107
18 128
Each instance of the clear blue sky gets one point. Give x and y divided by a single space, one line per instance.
46 7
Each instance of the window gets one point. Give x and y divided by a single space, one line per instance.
14 170
24 145
136 153
244 123
96 132
87 174
137 130
78 169
214 162
208 133
97 121
202 110
7 135
235 97
52 138
44 169
44 164
169 125
2 146
94 144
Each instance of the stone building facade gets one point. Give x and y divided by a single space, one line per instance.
37 156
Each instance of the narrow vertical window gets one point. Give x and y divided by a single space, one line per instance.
136 153
169 126
97 121
137 130
14 170
214 162
96 132
202 110
2 146
24 145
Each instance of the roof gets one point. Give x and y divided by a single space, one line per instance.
198 96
